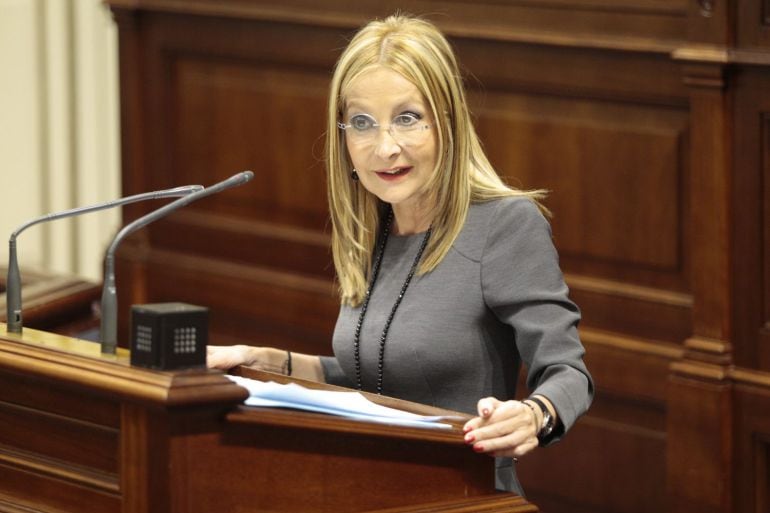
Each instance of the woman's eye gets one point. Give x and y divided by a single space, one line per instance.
406 119
362 122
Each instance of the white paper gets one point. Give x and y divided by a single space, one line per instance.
346 404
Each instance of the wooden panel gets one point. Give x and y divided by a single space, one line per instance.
761 475
30 492
764 332
229 106
698 455
753 24
58 445
709 184
607 154
572 73
637 487
62 439
751 233
626 423
710 22
590 127
645 367
253 115
206 88
248 303
144 442
240 240
752 440
763 335
22 391
617 307
330 468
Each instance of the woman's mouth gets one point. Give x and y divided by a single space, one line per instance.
393 174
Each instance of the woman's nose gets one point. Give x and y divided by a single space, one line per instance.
386 145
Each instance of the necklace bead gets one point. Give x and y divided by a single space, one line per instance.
364 306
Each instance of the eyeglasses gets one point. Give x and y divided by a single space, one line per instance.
407 129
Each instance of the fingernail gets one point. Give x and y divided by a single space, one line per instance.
469 438
478 448
466 429
485 411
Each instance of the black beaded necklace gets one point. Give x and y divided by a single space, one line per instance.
375 272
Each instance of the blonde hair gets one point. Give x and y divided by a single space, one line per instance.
419 52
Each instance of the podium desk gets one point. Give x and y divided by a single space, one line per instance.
85 432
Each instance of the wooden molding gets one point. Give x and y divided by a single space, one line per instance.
338 15
630 344
714 54
711 346
629 291
81 476
81 363
491 504
700 370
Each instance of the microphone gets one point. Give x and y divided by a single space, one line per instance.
108 329
13 284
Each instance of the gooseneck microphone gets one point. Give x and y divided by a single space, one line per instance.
13 284
108 328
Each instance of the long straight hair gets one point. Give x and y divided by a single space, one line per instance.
419 52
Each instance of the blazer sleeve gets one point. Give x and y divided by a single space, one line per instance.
333 373
524 287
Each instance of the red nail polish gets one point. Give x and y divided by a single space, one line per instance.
466 429
478 448
469 439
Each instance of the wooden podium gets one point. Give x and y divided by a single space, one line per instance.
85 432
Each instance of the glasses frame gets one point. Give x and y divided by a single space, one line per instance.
377 125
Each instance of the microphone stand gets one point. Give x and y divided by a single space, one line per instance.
108 329
13 283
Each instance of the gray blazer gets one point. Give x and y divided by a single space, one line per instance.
497 300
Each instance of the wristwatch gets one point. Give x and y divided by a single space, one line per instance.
548 421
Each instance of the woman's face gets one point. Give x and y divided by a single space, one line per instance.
396 159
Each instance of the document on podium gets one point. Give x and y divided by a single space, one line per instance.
347 404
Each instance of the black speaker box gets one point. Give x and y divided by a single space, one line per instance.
169 335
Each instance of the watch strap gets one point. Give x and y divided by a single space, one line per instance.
548 421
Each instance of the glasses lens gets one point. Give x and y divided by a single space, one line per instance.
362 123
406 129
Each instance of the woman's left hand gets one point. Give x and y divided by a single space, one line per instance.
502 429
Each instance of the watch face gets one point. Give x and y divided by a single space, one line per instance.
547 423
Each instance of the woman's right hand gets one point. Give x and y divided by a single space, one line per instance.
227 357
265 358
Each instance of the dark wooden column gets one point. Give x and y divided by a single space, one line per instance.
699 426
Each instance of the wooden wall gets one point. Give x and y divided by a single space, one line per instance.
648 119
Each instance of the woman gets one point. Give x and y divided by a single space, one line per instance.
448 278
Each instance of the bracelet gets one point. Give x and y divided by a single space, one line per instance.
288 363
532 408
549 422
